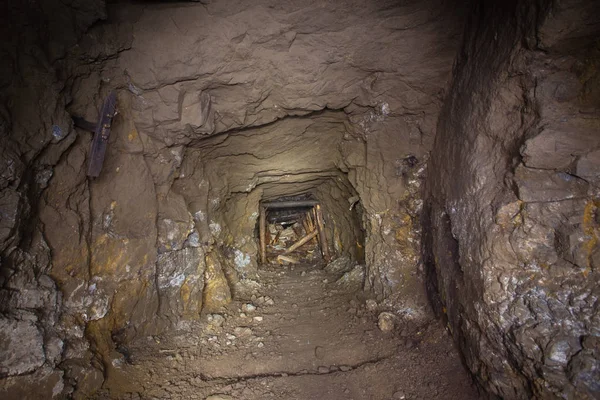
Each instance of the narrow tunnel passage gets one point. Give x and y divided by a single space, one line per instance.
290 226
354 199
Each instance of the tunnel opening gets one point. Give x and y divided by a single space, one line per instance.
289 231
420 148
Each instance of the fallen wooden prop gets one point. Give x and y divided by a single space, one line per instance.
281 259
301 242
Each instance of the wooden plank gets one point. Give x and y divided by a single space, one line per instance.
281 258
301 242
313 222
322 235
305 226
263 235
291 218
289 204
100 140
311 226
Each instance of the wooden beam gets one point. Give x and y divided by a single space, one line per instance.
263 235
313 222
305 226
281 258
284 218
322 235
289 204
301 242
311 225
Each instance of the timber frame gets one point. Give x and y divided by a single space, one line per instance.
313 223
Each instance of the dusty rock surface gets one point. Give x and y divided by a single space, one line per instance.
312 341
512 206
222 104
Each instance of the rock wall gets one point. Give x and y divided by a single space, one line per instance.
41 346
511 212
192 78
223 179
337 98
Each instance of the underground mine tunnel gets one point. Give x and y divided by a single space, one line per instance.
350 199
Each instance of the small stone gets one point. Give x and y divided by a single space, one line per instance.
242 331
323 370
258 319
248 307
260 345
303 273
371 305
319 352
216 319
345 368
386 322
399 395
269 301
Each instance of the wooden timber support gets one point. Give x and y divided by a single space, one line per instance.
263 235
289 218
322 235
311 226
301 242
314 225
290 204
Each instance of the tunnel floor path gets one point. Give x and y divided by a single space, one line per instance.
299 337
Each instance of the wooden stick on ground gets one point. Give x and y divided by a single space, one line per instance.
281 258
301 242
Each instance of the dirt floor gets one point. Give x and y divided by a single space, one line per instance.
301 337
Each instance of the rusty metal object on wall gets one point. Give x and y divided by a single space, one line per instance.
101 135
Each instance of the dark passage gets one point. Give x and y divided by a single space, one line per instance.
269 199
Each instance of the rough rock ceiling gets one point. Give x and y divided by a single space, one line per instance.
265 60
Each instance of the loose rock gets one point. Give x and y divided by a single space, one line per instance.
386 322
